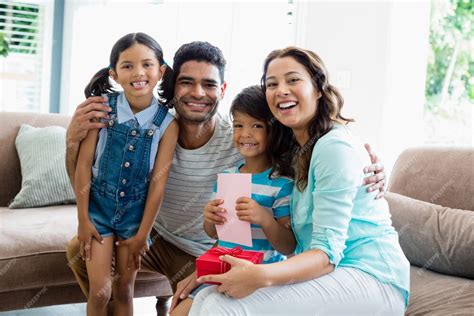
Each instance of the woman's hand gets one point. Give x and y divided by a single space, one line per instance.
250 211
137 246
211 212
241 280
85 232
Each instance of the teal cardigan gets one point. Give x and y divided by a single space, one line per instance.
337 215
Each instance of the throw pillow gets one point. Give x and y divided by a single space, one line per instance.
42 153
434 237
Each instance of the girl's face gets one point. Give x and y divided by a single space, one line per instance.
290 93
138 72
250 136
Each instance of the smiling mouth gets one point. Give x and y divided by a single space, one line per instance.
286 105
139 84
248 145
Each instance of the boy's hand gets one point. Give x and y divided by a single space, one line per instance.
212 211
250 211
136 247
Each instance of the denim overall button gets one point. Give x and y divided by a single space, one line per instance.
124 181
133 132
126 164
122 194
111 123
150 132
130 148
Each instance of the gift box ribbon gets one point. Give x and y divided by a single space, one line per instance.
225 251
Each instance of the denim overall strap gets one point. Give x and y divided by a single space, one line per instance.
160 115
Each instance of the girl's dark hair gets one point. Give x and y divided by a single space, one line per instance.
252 101
100 83
328 109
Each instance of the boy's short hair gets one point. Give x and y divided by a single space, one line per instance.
252 101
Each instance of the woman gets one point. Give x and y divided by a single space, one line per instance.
348 259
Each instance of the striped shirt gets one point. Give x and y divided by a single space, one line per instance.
273 194
189 188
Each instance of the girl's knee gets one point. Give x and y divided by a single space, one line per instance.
123 290
100 296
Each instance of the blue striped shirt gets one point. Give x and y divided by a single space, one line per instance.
273 194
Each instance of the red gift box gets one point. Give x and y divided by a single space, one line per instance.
209 262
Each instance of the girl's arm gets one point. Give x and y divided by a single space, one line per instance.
83 172
163 162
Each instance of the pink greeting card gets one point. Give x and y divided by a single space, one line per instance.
230 187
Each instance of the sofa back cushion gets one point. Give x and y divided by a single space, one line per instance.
438 175
10 172
434 237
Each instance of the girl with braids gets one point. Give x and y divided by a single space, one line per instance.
122 169
348 260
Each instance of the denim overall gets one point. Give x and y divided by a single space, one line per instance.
118 193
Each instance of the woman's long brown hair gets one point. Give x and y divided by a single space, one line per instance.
328 110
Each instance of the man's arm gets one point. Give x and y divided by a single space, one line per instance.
86 117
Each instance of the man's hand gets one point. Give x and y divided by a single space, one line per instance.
212 211
250 211
377 181
86 117
85 232
136 247
183 289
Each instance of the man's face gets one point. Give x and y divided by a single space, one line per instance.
198 91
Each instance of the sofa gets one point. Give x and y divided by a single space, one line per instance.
34 270
431 199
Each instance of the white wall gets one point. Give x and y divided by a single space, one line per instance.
376 52
245 31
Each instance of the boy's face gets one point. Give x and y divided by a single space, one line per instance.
250 136
198 91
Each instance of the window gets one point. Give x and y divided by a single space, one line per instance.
24 73
450 74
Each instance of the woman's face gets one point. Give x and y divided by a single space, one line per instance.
290 93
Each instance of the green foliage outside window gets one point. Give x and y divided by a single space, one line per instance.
3 46
450 73
22 24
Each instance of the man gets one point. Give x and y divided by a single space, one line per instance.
204 149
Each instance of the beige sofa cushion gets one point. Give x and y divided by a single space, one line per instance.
42 153
32 247
26 232
434 237
432 293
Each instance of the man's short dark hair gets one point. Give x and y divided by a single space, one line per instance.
199 51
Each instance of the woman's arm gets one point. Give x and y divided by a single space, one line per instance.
338 171
244 277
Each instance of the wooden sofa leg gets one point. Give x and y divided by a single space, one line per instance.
162 305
